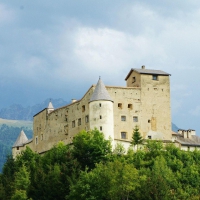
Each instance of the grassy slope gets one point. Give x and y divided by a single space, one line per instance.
16 123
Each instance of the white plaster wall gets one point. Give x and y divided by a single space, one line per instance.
106 121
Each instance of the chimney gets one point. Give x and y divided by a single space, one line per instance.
143 66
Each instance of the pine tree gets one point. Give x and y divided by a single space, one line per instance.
136 138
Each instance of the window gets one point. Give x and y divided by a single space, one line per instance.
86 118
149 137
100 105
83 108
155 77
101 128
41 136
123 135
134 79
149 121
36 140
130 106
135 119
100 117
73 124
120 105
79 121
17 148
123 118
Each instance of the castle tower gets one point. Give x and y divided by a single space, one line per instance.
155 112
50 107
19 144
101 111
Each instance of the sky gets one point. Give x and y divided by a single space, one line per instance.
58 49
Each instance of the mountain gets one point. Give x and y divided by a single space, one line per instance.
18 112
175 128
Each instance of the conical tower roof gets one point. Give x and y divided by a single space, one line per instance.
50 106
100 92
21 139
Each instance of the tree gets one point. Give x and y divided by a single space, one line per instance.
136 138
112 180
119 149
90 147
22 182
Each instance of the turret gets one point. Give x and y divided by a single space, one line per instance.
19 144
50 107
101 111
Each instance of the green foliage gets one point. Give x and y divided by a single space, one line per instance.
22 182
89 170
90 148
8 135
136 138
119 149
113 180
19 195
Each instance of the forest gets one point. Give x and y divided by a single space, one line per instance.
89 169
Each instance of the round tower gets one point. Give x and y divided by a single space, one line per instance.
101 111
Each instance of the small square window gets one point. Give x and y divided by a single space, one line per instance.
149 121
155 77
135 119
123 118
149 137
120 105
130 106
83 108
123 135
79 121
73 124
86 118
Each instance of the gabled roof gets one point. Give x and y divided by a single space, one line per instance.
147 71
193 141
22 139
100 92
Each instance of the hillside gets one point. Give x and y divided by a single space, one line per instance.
9 131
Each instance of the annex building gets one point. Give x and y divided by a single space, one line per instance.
114 110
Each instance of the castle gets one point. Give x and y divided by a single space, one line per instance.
144 101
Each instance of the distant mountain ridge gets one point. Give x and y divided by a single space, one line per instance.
18 112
